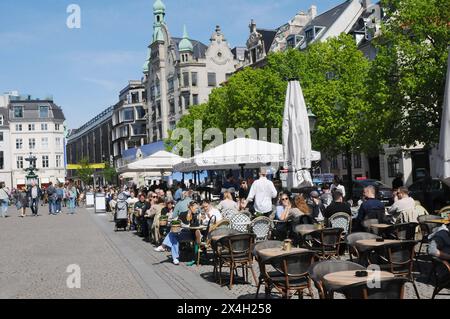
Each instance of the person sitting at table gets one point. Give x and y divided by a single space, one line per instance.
208 211
168 209
282 215
402 206
228 202
337 206
189 218
371 208
140 208
440 243
182 205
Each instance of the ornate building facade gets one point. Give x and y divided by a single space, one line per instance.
181 72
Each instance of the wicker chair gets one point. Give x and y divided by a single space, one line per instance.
218 232
341 220
261 227
426 229
318 270
397 258
228 213
405 231
240 222
236 251
441 270
261 263
291 273
351 239
325 242
392 288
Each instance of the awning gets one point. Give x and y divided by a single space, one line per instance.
160 161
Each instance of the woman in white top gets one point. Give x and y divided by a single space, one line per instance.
228 202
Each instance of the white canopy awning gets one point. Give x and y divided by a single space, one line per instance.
245 152
160 161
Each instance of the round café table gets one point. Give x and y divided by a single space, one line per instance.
340 279
365 244
439 221
274 252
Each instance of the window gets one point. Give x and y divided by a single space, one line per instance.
45 161
43 112
172 107
186 101
344 162
357 161
31 127
44 127
128 114
58 161
211 79
58 141
2 160
139 129
1 120
56 127
140 112
18 111
309 34
393 165
19 144
185 79
19 162
44 142
32 143
194 78
170 84
18 127
135 97
195 99
1 136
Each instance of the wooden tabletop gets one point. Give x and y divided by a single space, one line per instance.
273 252
303 230
231 232
368 243
194 227
439 221
345 278
380 226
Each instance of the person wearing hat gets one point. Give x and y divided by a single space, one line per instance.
261 194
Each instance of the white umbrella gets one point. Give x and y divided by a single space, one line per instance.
297 138
158 162
443 161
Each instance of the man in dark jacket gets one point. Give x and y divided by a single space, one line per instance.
337 206
34 194
372 208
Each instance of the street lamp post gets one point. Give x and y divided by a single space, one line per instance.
31 175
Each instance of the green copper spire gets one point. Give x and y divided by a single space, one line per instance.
185 43
159 7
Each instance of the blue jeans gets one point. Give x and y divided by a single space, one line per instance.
71 205
3 208
173 241
58 206
51 206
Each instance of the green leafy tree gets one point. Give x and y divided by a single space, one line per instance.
85 172
408 74
110 173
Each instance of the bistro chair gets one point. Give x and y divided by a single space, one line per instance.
441 270
206 240
341 220
325 242
261 227
228 213
426 228
236 251
318 270
391 288
240 222
444 210
351 239
261 262
397 258
218 232
291 273
405 231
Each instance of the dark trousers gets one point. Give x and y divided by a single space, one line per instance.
34 205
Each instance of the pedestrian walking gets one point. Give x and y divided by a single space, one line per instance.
51 193
4 200
72 193
261 193
34 194
22 201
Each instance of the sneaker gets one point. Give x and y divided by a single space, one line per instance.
160 249
176 262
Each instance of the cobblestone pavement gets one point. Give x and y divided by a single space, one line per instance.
36 251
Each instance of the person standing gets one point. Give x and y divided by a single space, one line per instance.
4 200
261 193
337 185
72 192
34 194
59 198
243 190
22 201
51 193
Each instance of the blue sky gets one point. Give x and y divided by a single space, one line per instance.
84 69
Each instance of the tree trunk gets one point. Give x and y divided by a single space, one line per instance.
348 155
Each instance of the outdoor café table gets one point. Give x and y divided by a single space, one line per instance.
228 233
336 280
304 230
377 227
193 229
274 252
367 244
439 221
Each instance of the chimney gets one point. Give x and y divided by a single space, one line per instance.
312 12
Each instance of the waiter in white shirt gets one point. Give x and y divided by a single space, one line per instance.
261 193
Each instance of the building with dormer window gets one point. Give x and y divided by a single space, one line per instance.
180 72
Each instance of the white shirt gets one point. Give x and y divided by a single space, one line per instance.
212 212
340 188
262 192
